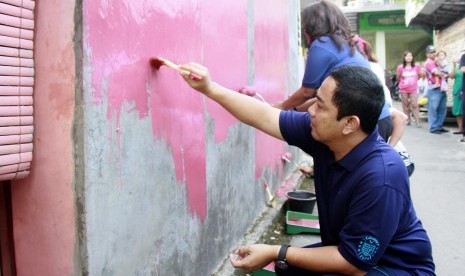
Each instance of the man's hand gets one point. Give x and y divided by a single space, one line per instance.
255 256
203 84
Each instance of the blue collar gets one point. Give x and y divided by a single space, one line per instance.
359 152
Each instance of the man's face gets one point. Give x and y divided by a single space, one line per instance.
431 55
324 123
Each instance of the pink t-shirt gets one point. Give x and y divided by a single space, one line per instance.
430 67
408 82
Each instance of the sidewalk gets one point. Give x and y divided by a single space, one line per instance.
438 191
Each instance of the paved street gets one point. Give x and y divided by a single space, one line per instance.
438 192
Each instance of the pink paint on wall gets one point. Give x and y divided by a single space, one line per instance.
43 204
185 31
170 29
271 64
225 21
228 62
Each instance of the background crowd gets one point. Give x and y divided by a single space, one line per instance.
429 84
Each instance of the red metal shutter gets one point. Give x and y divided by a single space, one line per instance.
16 87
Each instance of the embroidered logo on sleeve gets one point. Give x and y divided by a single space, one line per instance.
367 248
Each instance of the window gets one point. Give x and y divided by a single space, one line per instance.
16 87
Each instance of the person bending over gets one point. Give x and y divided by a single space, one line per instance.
367 220
330 45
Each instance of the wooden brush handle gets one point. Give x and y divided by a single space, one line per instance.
170 64
176 67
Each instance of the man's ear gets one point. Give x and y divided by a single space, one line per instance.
352 125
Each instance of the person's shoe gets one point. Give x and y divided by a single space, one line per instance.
436 131
462 140
444 130
457 132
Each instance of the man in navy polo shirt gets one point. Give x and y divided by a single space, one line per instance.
367 221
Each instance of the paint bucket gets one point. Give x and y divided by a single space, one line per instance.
301 201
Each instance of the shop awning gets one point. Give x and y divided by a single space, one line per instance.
438 14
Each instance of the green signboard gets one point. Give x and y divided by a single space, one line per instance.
379 21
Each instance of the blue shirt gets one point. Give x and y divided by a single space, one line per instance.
364 202
324 56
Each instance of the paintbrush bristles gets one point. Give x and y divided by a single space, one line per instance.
156 63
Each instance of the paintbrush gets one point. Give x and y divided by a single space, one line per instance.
157 62
271 201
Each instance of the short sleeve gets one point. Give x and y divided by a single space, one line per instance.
296 131
365 237
430 67
319 62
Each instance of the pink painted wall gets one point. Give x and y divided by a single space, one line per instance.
126 66
271 54
153 28
43 203
204 164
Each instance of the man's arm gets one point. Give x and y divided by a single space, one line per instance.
299 97
433 69
246 109
321 259
326 259
438 73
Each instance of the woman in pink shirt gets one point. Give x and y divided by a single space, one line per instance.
408 74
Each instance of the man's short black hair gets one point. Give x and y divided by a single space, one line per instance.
358 92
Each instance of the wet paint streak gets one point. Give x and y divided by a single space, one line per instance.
152 28
271 64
